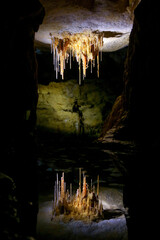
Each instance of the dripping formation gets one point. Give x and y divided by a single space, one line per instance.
81 205
84 47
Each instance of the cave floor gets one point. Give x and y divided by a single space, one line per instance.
57 154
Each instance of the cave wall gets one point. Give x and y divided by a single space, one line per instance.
66 108
135 117
19 95
140 77
86 4
139 99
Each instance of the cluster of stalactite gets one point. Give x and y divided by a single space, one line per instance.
84 47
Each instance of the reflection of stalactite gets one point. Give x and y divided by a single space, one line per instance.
84 202
62 187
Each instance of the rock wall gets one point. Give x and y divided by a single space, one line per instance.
140 80
65 107
86 4
8 208
19 95
140 104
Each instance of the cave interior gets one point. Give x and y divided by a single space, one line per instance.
106 126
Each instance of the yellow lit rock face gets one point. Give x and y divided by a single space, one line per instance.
57 111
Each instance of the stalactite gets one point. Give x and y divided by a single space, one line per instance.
85 47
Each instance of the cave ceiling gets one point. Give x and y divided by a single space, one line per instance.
113 18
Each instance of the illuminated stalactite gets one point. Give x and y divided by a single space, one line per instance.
84 47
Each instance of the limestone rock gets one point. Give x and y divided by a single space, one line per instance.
56 106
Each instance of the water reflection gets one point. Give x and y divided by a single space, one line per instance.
63 154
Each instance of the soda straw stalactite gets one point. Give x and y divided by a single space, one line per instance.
85 47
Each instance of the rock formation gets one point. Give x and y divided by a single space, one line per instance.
20 93
56 109
135 117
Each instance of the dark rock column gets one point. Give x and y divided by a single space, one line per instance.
140 122
19 101
142 103
9 228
